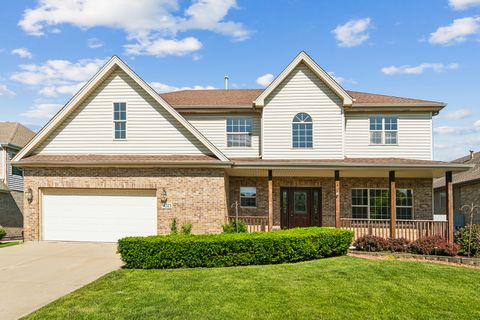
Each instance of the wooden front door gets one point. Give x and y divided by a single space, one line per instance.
300 207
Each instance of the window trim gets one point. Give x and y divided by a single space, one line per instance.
383 131
240 197
115 121
368 202
250 134
291 131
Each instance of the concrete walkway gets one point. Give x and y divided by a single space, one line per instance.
36 273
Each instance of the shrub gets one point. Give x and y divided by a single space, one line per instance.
371 243
186 229
462 240
173 226
435 245
398 245
222 250
3 233
234 227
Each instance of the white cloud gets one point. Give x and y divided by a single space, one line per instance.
453 130
162 87
164 47
144 21
406 69
458 114
265 80
352 33
22 53
463 4
58 76
42 110
4 91
458 31
94 43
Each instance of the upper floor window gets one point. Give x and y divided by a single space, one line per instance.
15 170
120 120
383 130
239 132
302 132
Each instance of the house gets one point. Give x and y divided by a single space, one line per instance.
466 190
13 136
119 159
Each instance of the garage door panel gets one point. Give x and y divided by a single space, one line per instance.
98 215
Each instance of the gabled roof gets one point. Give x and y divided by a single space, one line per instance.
15 134
112 64
302 57
219 98
469 176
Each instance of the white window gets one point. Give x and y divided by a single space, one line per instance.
383 130
375 204
120 120
248 197
302 131
239 132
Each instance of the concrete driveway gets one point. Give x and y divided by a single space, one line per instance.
36 273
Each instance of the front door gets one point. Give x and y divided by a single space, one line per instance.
300 207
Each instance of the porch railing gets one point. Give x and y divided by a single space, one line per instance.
254 223
408 229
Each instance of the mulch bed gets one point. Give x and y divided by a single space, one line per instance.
457 260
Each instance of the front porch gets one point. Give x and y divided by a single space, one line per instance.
359 198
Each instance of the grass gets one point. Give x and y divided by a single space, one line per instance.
334 288
9 244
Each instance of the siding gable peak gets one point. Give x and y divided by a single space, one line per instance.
113 64
304 58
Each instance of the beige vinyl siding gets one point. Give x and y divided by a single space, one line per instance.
2 164
150 128
213 127
303 91
14 182
414 137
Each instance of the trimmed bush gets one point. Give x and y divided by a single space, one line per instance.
3 233
234 226
398 245
371 243
238 249
462 239
435 245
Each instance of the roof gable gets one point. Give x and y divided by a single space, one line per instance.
302 57
89 87
15 134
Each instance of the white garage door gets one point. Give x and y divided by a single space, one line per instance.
98 215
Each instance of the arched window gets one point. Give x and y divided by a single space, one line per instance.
302 131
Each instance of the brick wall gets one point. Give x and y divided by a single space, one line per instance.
469 193
197 195
422 194
11 218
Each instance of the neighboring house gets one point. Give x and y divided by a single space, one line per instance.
120 159
13 136
466 190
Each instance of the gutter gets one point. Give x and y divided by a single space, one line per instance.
123 164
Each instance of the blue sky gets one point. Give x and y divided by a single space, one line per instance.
426 49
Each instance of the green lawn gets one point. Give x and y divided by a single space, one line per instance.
334 288
8 244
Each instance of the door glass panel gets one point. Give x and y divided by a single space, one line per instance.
284 206
299 202
316 211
